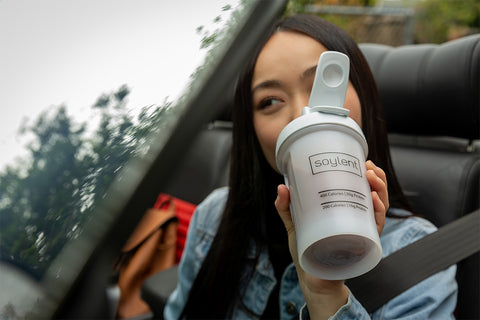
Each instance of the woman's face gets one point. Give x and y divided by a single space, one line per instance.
281 85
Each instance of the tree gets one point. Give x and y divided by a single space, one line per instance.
46 198
36 195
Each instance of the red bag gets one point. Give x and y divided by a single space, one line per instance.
184 212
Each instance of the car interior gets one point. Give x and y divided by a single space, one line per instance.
431 99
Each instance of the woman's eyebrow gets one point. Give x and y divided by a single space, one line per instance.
310 72
267 84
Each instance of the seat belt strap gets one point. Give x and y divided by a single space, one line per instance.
417 261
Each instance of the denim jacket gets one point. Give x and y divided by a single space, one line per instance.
433 298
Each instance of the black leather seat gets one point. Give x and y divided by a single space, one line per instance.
205 165
431 97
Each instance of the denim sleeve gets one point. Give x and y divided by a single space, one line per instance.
432 298
201 231
351 310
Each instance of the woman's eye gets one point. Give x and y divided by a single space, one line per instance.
268 102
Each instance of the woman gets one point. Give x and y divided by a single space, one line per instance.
240 260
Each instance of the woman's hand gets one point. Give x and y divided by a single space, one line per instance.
378 182
325 297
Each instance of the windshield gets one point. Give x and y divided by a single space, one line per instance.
88 89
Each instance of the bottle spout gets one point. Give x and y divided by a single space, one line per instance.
330 84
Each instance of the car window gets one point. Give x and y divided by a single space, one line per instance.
91 96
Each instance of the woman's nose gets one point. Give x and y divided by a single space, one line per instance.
299 104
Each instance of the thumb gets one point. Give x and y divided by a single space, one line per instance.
282 205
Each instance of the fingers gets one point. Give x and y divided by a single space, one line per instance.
378 182
379 211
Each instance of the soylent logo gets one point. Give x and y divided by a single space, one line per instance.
335 161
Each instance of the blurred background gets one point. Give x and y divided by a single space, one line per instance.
398 22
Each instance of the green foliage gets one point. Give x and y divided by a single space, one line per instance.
440 20
297 6
214 40
46 198
435 21
210 37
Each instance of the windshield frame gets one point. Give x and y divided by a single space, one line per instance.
75 283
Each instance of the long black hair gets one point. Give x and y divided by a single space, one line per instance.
252 186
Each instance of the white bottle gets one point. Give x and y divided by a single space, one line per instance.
322 156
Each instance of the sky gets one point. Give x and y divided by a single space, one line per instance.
55 52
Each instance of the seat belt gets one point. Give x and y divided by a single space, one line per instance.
393 275
417 261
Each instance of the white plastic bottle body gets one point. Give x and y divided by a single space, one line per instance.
331 204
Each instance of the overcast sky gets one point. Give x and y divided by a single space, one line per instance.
69 52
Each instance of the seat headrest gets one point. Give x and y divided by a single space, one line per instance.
428 89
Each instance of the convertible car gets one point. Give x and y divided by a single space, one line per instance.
431 96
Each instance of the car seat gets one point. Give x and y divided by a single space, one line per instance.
431 99
205 165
